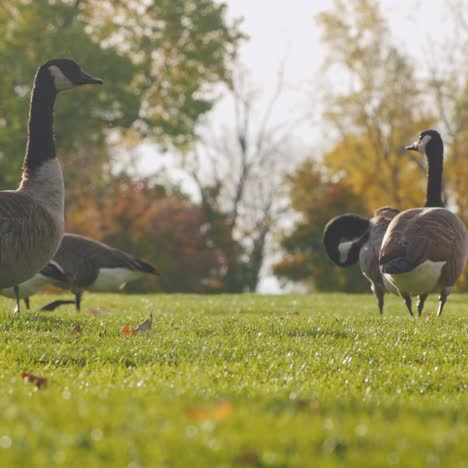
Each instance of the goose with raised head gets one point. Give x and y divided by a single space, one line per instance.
94 266
351 238
32 217
425 249
51 273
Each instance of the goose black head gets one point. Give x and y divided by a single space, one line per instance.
343 237
67 74
429 142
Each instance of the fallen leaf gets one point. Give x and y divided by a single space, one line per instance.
41 382
77 330
218 412
308 403
296 313
249 457
146 325
127 330
96 311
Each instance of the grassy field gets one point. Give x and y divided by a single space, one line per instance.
318 380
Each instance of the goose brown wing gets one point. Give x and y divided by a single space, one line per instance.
86 256
422 234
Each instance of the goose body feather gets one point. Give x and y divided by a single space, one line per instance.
424 248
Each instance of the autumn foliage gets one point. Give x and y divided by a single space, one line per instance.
167 230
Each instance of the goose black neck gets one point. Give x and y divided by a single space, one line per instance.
435 159
40 146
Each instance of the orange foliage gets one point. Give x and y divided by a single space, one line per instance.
166 230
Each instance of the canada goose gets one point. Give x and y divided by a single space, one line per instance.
351 238
425 248
52 272
94 266
31 218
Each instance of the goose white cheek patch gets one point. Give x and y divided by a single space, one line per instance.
343 249
61 82
422 144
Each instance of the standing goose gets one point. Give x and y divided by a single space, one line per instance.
425 248
52 272
31 218
351 238
94 266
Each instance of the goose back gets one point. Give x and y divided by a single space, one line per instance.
82 259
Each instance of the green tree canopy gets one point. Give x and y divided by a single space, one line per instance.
159 59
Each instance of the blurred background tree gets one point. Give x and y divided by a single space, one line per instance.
317 199
377 107
247 194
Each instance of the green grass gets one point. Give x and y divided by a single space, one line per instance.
318 380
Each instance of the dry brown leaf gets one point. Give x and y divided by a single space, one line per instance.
40 382
77 330
249 457
296 313
146 325
218 412
96 311
127 330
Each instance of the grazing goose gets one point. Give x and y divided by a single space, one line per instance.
425 248
351 238
94 266
52 272
31 218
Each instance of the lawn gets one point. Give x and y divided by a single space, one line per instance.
317 380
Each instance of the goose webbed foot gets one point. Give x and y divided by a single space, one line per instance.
421 301
408 303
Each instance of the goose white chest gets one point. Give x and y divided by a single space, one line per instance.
112 279
422 279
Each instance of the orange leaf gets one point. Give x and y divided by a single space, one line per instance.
146 325
41 382
77 330
218 412
127 330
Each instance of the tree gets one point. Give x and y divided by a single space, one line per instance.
161 226
377 113
317 199
238 173
160 61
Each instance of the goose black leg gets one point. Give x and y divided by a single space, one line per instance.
408 303
27 303
442 300
78 301
380 299
53 305
421 301
18 307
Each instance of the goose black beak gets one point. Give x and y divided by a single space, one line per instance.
413 147
88 79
